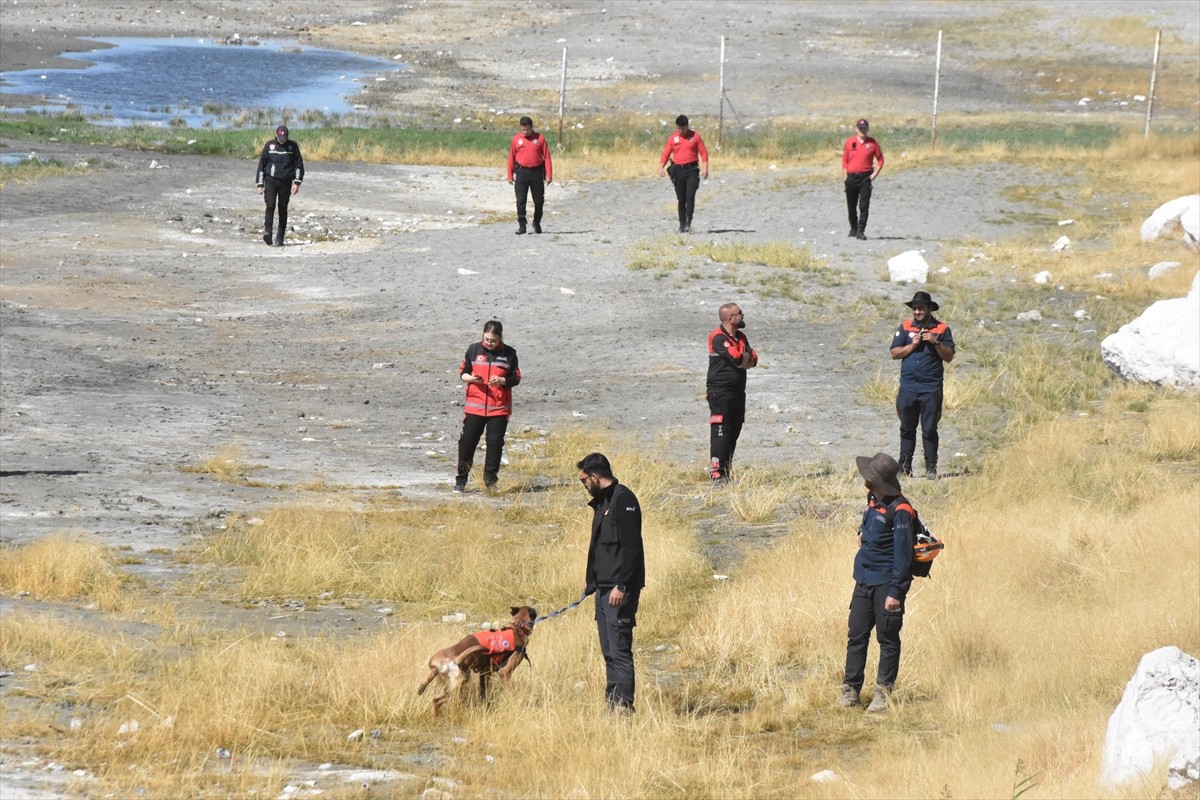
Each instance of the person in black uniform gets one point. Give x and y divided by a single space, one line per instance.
280 173
616 573
729 356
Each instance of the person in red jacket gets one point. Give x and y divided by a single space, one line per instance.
529 170
689 163
862 161
490 371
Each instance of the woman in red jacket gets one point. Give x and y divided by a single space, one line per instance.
489 369
689 163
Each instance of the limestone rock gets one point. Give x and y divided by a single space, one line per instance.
1162 345
1157 719
908 267
1182 212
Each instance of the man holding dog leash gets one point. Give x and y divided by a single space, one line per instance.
616 573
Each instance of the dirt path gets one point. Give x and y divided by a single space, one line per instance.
147 328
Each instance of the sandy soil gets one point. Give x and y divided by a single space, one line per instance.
146 328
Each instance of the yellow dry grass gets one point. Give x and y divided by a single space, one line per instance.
1066 561
64 568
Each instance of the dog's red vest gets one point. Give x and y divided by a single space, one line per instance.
499 644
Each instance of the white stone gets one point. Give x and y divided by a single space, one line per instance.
824 776
910 266
1062 243
1181 212
1157 719
1042 277
1030 316
356 736
457 616
1162 345
1161 268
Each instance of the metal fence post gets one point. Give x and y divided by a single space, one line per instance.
721 85
1153 80
562 96
937 79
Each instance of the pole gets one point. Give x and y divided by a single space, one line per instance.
937 81
562 97
721 110
1153 81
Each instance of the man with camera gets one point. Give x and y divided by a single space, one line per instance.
923 345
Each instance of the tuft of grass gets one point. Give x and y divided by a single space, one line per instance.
783 255
64 568
31 170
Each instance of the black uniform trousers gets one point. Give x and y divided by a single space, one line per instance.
727 409
858 199
275 191
473 427
687 180
867 612
526 181
911 408
615 626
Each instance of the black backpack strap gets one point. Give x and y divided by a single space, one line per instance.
890 514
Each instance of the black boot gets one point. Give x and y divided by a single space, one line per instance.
520 226
279 237
906 467
267 236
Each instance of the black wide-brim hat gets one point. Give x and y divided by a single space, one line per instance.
923 299
881 471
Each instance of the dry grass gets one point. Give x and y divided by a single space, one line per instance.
64 568
1052 531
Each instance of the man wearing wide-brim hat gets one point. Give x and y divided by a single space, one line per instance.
882 578
924 345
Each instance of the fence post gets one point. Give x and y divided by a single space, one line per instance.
1153 80
721 84
937 79
562 96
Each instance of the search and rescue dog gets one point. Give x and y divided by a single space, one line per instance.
483 653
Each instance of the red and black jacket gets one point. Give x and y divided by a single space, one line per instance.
724 351
484 400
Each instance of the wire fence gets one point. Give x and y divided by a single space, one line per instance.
947 96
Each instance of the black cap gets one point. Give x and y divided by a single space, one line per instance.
862 124
282 129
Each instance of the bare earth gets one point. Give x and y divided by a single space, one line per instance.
146 327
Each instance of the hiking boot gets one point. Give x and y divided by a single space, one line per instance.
906 468
521 230
459 486
862 236
849 697
880 702
537 227
490 488
267 237
852 233
931 473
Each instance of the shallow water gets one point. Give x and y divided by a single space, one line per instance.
159 80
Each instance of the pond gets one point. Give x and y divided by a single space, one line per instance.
201 83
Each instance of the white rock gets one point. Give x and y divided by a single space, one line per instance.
909 266
1161 268
356 736
131 726
1157 719
1162 345
824 776
1182 211
565 290
1062 222
1082 314
1062 243
1030 316
457 616
1042 277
